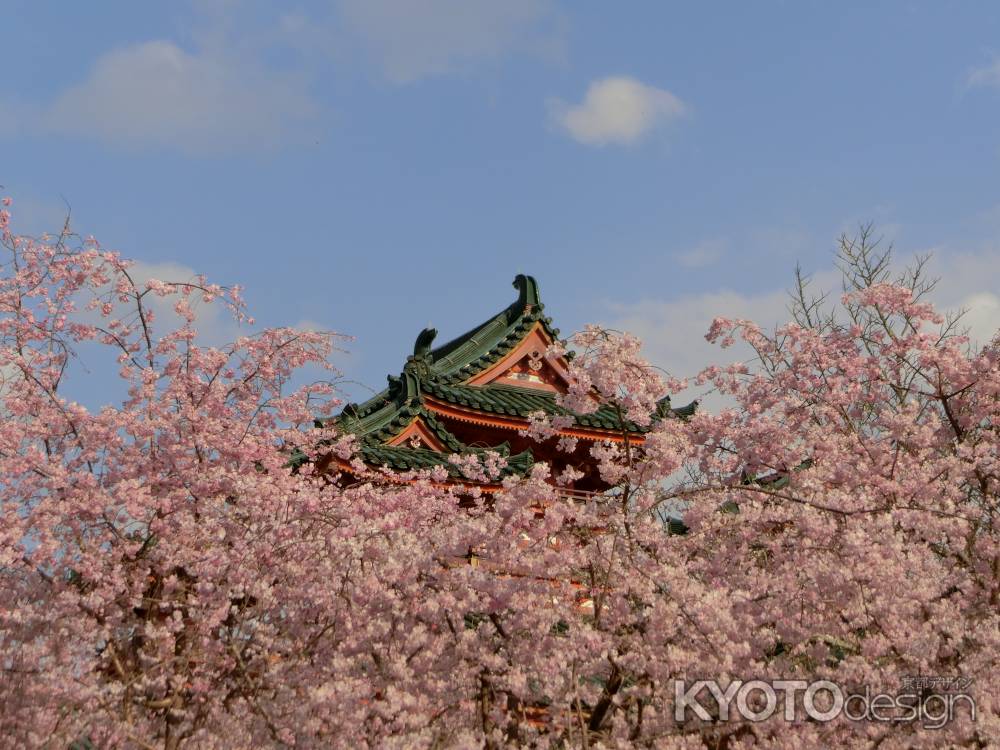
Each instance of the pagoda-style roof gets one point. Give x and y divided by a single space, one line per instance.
521 402
405 458
491 378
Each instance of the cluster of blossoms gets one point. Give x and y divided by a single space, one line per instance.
167 579
610 369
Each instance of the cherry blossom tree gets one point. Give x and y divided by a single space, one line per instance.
186 570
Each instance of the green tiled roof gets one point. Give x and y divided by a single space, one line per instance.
683 412
395 418
403 458
520 402
440 373
487 343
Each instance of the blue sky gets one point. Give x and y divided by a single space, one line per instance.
371 166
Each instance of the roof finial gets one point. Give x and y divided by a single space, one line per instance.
527 289
422 346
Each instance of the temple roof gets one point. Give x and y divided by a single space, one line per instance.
458 375
484 345
521 402
405 458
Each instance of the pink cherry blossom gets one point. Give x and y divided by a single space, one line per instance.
189 569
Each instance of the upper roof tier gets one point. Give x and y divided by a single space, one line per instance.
463 357
477 349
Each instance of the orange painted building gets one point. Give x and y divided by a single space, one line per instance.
476 392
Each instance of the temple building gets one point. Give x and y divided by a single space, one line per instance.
476 392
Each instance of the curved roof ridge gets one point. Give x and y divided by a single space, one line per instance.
469 353
476 345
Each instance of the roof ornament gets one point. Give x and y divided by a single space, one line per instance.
418 366
527 289
422 346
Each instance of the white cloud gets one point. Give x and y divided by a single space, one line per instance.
967 282
703 254
416 39
986 75
673 331
617 110
982 315
157 93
